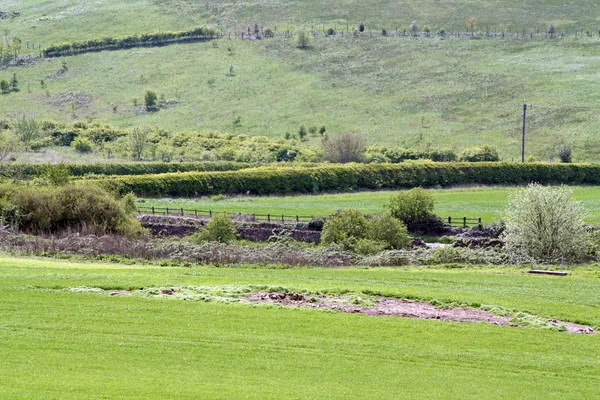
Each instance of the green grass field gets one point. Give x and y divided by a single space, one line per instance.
408 92
60 344
488 203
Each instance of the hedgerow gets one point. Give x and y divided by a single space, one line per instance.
30 170
269 180
146 39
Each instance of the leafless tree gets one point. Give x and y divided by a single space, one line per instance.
344 148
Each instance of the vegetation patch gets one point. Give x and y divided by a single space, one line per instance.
367 304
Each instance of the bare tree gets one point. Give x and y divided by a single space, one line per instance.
344 148
26 128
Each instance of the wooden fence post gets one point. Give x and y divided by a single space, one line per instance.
465 222
152 210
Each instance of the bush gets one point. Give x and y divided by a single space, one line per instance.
303 39
344 148
344 226
368 247
565 154
58 175
82 145
545 224
72 206
413 205
354 232
219 229
150 100
479 154
387 229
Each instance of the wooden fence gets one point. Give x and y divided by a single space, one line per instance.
182 212
464 221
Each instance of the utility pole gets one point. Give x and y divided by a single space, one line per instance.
524 131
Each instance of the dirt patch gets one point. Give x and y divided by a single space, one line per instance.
9 14
79 100
385 306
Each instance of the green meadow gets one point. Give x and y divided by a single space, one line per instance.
57 343
488 203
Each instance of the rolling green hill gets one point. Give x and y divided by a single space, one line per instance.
403 91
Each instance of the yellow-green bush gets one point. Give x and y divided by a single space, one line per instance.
73 206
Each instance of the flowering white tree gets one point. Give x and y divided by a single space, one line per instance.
544 223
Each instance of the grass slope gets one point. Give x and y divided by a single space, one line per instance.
398 91
70 345
487 203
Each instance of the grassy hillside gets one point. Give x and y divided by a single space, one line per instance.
413 92
60 343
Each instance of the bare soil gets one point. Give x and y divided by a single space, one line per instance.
385 306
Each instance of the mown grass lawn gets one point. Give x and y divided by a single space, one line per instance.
59 344
488 203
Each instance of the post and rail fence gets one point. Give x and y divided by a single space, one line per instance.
181 212
464 221
195 213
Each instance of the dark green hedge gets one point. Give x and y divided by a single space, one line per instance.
267 180
30 170
146 39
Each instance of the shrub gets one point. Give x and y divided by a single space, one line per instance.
26 127
72 206
344 148
150 100
389 230
545 224
479 154
219 229
344 226
565 154
82 145
58 175
413 205
303 39
367 247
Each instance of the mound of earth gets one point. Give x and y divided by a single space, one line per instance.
385 306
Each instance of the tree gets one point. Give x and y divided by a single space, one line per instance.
471 23
565 154
302 133
303 39
551 30
16 47
139 138
544 223
150 99
14 83
413 29
26 128
4 86
361 27
344 148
